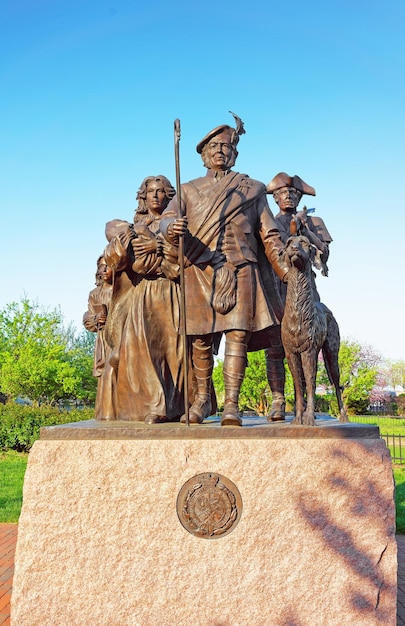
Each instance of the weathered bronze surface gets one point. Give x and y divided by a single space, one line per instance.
231 247
209 505
94 320
207 262
287 192
307 327
142 328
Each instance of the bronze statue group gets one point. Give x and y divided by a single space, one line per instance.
235 280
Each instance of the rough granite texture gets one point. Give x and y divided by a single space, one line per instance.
100 543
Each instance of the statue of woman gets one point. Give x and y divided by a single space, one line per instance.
94 320
143 327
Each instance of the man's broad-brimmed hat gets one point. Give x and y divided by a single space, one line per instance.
284 180
234 133
215 131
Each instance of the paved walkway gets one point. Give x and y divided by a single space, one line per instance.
8 538
401 581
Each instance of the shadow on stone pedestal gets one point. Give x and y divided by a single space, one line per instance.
283 525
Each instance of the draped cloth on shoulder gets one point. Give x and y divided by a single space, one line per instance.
229 221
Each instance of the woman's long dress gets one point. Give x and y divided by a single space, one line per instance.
143 331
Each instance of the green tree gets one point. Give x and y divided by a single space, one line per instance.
255 393
218 381
400 401
81 357
396 373
358 374
39 358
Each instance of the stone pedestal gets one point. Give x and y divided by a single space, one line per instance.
313 539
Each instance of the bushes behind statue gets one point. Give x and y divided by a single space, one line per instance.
20 425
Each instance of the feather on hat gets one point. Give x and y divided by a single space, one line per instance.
234 133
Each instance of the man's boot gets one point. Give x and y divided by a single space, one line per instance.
234 372
203 363
276 379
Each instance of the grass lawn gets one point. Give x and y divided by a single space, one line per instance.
388 425
13 464
12 470
399 476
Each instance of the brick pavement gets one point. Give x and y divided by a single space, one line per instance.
8 538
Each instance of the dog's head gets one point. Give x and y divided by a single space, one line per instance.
299 252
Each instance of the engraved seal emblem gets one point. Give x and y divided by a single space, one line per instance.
209 505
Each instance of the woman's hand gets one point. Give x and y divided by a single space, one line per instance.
145 246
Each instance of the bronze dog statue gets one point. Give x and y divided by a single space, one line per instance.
308 326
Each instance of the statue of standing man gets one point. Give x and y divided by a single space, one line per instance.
231 244
287 192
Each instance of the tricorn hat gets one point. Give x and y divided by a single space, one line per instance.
284 180
233 132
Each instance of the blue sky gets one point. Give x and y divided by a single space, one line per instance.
90 90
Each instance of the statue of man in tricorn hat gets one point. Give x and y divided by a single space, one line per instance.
231 244
287 192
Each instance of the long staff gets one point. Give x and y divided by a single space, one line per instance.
181 265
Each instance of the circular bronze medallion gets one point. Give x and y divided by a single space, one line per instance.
209 505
